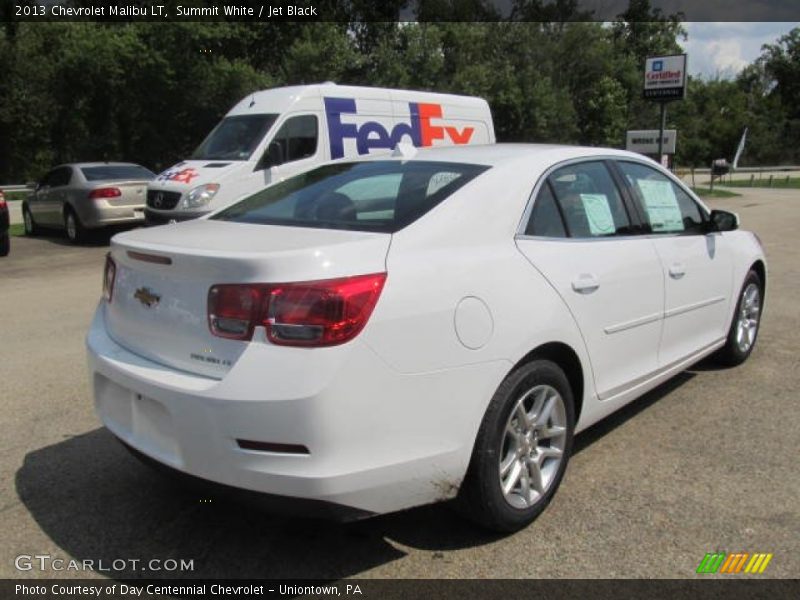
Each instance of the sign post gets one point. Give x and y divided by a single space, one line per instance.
664 81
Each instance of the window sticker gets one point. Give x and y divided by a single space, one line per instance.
661 205
598 213
439 180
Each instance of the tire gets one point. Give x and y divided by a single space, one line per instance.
501 449
745 324
31 229
73 226
5 244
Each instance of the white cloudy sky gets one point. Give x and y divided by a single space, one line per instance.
725 48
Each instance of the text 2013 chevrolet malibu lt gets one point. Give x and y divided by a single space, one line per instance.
381 334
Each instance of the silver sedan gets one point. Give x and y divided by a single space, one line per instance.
83 196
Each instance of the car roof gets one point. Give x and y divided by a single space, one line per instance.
508 154
98 164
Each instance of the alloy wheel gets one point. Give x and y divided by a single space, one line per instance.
533 446
749 313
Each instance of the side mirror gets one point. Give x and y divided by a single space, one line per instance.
723 220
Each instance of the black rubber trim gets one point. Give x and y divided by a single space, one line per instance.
273 503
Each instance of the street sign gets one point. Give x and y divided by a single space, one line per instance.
665 77
646 141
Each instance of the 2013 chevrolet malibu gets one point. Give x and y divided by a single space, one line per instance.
380 334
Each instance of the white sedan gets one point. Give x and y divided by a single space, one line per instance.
380 334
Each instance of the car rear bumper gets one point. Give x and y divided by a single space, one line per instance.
377 440
102 214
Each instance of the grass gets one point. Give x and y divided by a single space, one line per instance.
778 182
17 229
20 195
705 192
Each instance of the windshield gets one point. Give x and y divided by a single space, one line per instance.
116 173
382 196
235 138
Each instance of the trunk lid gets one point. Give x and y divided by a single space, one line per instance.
134 193
159 304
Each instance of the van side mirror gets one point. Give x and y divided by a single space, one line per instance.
723 220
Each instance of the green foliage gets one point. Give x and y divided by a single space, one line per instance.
150 92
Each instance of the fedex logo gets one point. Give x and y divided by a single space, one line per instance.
372 135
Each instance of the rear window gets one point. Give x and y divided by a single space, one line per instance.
116 173
382 196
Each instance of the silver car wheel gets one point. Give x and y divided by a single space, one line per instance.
72 228
749 312
533 446
26 216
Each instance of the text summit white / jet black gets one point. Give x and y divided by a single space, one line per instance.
387 332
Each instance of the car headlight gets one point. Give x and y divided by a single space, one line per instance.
200 196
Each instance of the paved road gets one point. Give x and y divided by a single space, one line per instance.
707 462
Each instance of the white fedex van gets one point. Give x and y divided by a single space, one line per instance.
275 133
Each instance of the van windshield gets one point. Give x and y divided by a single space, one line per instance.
235 138
382 196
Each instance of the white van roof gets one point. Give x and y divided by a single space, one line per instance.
281 99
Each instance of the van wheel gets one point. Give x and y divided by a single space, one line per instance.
522 448
75 230
744 325
30 225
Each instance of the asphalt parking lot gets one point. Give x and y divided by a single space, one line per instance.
707 462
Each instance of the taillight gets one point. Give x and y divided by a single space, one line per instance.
3 200
109 275
102 193
310 313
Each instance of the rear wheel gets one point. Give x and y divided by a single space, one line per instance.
522 448
27 218
5 244
75 230
745 324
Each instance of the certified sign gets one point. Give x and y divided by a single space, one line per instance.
665 77
646 141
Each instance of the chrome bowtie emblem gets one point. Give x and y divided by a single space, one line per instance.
146 297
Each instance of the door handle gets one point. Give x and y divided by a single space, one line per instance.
585 283
677 270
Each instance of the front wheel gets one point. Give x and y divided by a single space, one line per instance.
745 324
522 448
30 225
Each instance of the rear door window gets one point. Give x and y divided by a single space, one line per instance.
589 201
60 177
546 220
